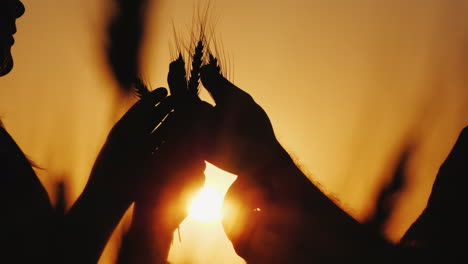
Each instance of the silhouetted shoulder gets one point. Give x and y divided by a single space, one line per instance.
441 228
26 211
460 150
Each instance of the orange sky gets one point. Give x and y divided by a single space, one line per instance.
345 83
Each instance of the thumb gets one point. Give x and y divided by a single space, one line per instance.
176 78
145 104
219 87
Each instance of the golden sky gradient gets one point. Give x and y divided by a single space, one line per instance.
346 84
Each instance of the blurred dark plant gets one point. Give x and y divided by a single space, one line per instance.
124 39
387 198
61 200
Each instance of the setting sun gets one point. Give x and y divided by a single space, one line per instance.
206 205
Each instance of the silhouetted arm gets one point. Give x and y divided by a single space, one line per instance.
440 230
89 224
147 241
281 215
157 216
117 176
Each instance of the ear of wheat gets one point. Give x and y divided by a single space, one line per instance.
180 86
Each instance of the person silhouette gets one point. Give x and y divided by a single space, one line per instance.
23 196
135 162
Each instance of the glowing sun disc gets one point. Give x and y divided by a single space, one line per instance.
206 205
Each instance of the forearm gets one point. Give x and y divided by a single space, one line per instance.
89 224
157 214
149 238
301 222
337 233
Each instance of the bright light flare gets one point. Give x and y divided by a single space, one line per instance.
206 205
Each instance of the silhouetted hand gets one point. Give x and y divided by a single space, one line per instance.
174 174
240 136
176 169
122 163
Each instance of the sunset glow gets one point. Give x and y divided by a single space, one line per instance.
346 85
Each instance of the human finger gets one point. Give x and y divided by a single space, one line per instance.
134 123
176 77
146 103
219 87
162 133
158 113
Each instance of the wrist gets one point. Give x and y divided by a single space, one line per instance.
280 174
263 210
106 196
